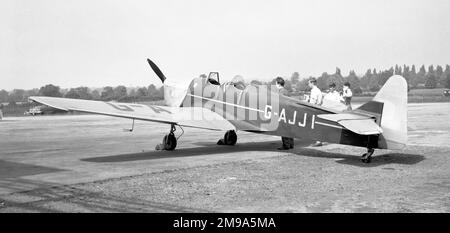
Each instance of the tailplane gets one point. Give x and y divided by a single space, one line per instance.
389 106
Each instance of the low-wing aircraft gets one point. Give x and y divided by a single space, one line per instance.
208 104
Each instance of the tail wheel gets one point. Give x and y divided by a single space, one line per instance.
230 137
367 157
170 141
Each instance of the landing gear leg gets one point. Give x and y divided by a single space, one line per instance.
367 157
169 141
230 138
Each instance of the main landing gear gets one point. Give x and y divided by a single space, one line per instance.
169 141
229 138
367 157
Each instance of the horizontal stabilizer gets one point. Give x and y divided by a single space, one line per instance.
359 124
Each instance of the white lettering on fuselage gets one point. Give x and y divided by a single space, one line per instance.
282 116
292 122
302 123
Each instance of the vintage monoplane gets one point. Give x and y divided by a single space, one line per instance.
208 104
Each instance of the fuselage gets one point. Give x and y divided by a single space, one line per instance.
261 109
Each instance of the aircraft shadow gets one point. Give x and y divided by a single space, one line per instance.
205 149
269 146
355 159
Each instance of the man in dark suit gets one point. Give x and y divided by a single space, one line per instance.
288 143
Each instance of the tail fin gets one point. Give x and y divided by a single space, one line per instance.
390 107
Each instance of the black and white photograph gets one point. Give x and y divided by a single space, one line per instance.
206 106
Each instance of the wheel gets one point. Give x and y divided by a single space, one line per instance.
169 142
366 158
230 138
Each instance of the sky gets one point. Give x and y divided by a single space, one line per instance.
97 43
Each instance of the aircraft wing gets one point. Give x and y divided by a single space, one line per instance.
359 124
195 117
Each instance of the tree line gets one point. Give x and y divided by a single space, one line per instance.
373 80
108 93
370 82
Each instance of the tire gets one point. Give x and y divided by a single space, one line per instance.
230 138
169 142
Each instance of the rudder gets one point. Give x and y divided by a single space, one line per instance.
390 107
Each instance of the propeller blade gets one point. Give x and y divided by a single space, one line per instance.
156 70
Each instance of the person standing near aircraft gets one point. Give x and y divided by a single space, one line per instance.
347 95
316 94
316 97
288 143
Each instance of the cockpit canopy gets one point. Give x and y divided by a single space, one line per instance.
238 81
213 78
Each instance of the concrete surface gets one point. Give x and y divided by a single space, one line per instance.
87 163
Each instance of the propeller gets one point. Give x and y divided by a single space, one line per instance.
156 70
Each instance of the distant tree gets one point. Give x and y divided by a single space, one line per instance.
79 93
447 69
445 75
95 95
288 85
119 92
85 93
3 96
152 89
439 71
160 93
364 84
17 95
302 85
384 76
132 92
420 77
413 70
107 93
295 77
141 92
32 92
447 84
422 70
338 72
405 71
72 93
154 92
354 81
431 81
50 90
373 83
398 70
431 69
12 103
323 81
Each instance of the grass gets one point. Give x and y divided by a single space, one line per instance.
427 92
415 96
